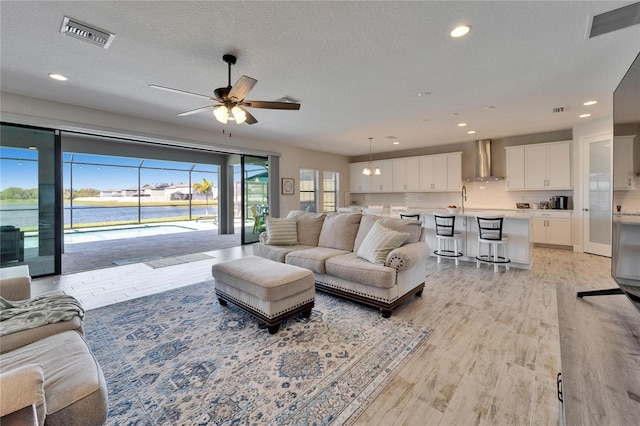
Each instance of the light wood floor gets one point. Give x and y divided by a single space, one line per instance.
493 355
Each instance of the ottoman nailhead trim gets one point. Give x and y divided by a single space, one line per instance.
240 302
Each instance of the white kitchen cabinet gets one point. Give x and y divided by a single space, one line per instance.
406 174
515 167
359 183
441 172
551 228
623 173
454 171
548 165
384 181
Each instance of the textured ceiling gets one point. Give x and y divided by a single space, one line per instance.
357 67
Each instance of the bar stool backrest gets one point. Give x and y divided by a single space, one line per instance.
490 228
409 216
445 225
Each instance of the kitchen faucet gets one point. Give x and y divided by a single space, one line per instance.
464 197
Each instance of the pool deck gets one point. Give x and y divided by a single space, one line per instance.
104 253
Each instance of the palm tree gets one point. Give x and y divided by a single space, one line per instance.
204 188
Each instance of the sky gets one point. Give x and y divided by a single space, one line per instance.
18 167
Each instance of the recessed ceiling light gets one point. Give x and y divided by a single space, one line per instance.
460 31
421 94
584 115
425 119
462 124
396 143
58 77
588 103
488 107
453 114
471 132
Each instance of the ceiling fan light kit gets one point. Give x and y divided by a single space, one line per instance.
231 99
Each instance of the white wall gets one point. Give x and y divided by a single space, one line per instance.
39 112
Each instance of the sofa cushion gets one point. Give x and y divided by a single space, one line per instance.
365 226
379 242
313 258
412 226
74 386
350 267
339 231
281 231
275 253
309 226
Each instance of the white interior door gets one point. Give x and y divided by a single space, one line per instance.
597 194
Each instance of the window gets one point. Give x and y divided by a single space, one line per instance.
308 189
330 191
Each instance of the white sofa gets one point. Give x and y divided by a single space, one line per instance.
330 245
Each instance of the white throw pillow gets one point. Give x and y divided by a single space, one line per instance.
281 231
379 242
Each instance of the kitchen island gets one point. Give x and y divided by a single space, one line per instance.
516 225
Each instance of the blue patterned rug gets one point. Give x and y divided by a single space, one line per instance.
179 358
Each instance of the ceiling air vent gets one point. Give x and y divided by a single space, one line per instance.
90 34
558 109
614 20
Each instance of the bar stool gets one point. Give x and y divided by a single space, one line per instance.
410 216
490 233
446 233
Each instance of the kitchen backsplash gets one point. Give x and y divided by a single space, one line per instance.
492 195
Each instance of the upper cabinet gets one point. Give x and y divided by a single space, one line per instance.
546 166
384 181
441 173
623 175
427 173
406 174
357 181
515 167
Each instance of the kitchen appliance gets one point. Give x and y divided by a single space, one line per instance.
560 202
483 163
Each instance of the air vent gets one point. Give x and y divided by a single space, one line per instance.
558 109
85 32
614 20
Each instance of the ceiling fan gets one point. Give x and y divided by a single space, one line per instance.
231 99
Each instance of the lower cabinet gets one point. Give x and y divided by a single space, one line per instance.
551 228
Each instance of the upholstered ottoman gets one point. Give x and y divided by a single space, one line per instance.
271 291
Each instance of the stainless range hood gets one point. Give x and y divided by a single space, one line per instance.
483 162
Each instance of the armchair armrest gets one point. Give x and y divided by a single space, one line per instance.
404 257
23 387
15 288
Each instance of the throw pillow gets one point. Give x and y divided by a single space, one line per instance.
379 242
309 227
339 231
281 231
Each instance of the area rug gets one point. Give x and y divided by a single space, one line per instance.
179 358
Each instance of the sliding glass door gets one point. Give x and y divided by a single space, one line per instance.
255 197
30 225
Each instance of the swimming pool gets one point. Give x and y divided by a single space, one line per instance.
75 236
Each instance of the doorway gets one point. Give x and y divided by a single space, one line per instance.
255 197
597 194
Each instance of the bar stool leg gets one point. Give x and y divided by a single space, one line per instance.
455 248
439 248
495 257
478 254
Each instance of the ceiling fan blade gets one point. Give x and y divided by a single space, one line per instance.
242 88
195 111
272 105
169 89
250 118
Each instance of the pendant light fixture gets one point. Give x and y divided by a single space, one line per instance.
368 170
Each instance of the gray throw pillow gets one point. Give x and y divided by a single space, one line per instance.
281 231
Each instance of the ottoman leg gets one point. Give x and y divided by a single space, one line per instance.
222 302
307 313
273 329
